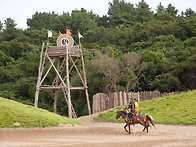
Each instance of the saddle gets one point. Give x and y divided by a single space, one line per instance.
131 115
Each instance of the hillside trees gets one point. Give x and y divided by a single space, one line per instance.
10 32
132 69
143 12
109 66
82 21
130 48
121 13
189 13
42 20
171 10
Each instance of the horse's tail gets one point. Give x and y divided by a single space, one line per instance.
149 117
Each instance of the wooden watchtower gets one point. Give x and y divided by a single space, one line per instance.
59 58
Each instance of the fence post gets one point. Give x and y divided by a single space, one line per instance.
125 98
111 100
120 97
138 96
102 103
115 99
94 104
98 102
107 102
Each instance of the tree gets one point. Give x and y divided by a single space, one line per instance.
43 21
160 9
1 26
132 69
190 13
171 10
143 12
16 49
10 32
36 37
185 28
103 21
63 22
3 58
109 67
82 21
165 83
188 74
162 14
121 13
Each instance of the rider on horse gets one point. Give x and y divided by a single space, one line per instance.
134 107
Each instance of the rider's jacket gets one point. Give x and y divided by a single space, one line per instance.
136 106
132 106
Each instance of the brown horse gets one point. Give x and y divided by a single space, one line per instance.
143 119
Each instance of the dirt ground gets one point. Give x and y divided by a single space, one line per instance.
98 134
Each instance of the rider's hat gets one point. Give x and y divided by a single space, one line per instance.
135 100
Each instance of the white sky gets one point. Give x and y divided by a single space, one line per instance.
20 10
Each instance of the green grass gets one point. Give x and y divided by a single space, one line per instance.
28 116
172 109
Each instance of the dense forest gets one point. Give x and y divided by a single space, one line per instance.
130 49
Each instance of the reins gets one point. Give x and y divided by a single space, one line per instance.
125 115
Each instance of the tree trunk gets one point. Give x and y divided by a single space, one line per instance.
127 88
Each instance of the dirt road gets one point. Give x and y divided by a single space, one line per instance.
98 134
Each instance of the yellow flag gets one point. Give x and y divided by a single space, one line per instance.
50 33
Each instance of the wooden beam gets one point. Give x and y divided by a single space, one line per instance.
77 71
47 72
68 84
52 87
39 78
80 88
56 91
85 82
56 71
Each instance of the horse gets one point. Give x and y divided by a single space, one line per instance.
143 119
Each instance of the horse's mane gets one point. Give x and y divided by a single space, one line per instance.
123 112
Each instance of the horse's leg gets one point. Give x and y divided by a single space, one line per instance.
143 124
147 126
144 129
125 128
147 129
129 130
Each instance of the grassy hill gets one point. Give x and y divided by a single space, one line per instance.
14 114
172 109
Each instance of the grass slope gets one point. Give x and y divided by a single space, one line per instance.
172 109
28 116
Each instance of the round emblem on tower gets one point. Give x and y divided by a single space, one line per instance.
65 40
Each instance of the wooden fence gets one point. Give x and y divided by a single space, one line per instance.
102 101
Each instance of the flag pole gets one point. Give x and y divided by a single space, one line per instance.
79 36
48 41
79 42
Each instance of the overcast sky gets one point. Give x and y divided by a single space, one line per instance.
20 10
